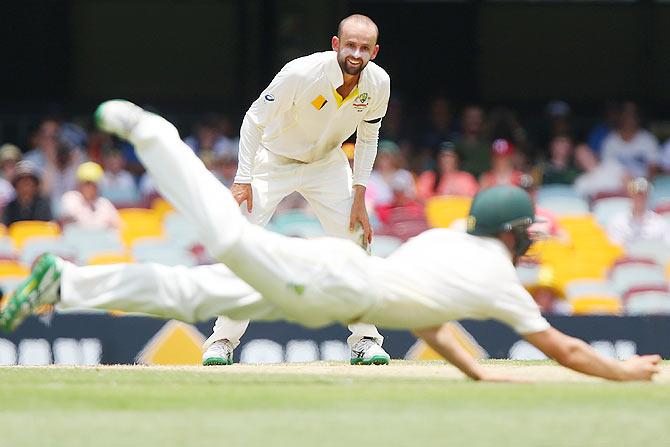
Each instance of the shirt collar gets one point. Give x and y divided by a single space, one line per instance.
335 76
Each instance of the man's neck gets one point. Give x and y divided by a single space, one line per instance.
350 82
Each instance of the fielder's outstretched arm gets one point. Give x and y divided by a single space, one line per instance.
440 339
579 356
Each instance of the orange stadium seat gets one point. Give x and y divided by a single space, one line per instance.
20 232
596 304
442 211
139 223
109 258
161 207
13 268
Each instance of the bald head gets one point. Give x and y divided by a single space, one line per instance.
355 44
358 21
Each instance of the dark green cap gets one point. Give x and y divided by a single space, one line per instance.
498 209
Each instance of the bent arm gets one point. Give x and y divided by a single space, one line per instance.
440 339
579 356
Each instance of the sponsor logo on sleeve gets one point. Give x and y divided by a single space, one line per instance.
269 97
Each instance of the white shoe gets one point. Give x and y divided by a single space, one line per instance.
118 117
368 352
219 353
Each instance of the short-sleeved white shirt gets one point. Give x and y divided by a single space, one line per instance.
467 277
635 155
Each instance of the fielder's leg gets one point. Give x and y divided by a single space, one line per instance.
327 186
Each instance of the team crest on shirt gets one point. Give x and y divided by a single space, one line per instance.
361 102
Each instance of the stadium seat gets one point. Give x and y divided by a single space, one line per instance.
605 209
180 231
109 258
13 268
161 252
581 287
161 207
384 245
21 231
36 246
596 305
627 276
441 211
565 206
121 197
7 250
90 241
9 283
656 250
647 302
139 223
298 224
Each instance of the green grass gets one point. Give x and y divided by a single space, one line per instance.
160 407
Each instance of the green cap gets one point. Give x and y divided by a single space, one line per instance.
498 209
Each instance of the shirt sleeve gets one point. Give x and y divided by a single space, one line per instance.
277 98
518 309
367 136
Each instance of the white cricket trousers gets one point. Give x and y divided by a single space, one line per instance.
312 282
326 184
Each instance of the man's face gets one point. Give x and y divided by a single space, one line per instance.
355 47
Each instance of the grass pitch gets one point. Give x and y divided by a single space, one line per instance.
326 404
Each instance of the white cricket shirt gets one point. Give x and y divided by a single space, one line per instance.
301 117
444 275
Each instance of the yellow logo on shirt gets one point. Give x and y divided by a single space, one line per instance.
319 102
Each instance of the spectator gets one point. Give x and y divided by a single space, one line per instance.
44 143
597 177
60 174
547 222
439 128
559 169
387 171
640 223
636 149
603 128
665 157
28 204
403 216
446 179
502 171
84 206
9 156
205 137
558 121
117 184
225 168
472 145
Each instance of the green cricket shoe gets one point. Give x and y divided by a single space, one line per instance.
367 351
219 353
41 288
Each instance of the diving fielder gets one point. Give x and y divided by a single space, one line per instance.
438 276
290 141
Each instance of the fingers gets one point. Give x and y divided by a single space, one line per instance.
250 200
367 231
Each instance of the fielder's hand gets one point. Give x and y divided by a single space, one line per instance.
242 192
641 367
359 214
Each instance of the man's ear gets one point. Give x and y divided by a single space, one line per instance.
335 43
374 52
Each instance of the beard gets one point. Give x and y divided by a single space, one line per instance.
349 69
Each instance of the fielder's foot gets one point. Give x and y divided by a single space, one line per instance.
368 352
38 290
219 353
118 117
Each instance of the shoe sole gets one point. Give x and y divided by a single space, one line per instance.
374 360
216 361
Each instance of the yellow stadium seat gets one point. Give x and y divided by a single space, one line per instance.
596 304
442 211
21 231
110 258
139 223
161 207
13 268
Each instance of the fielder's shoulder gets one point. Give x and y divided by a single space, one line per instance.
378 75
306 65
